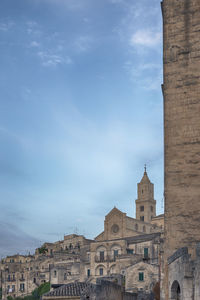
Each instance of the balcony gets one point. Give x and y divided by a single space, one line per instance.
22 279
11 279
106 258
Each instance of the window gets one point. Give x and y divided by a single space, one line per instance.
21 287
142 208
8 289
115 253
88 273
13 288
141 276
142 218
34 280
9 277
146 252
13 276
144 229
55 273
101 255
129 251
136 226
65 276
151 208
100 271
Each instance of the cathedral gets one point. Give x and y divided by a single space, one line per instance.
127 252
147 257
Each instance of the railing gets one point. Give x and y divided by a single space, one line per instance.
22 279
106 258
11 279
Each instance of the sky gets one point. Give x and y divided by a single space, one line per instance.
81 112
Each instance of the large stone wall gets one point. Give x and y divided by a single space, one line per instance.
181 90
109 291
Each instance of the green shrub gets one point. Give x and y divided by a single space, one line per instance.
36 294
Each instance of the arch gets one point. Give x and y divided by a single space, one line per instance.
100 273
101 253
175 291
115 247
115 251
101 248
113 269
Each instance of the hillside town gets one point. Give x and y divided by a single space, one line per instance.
128 252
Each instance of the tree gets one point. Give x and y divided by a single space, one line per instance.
36 294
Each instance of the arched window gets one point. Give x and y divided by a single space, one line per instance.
175 291
113 269
100 271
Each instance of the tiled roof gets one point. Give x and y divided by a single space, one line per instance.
70 289
143 238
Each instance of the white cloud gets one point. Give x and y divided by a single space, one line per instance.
147 75
34 44
6 26
49 60
83 43
146 38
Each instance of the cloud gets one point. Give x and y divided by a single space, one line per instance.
34 44
52 60
15 240
6 26
33 28
146 38
69 4
116 1
82 44
147 75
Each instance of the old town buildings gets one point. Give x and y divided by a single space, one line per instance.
129 248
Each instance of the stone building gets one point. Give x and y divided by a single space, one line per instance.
102 290
126 246
181 90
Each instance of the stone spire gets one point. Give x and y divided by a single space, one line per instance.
145 204
145 178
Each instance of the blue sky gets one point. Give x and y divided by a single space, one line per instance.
80 114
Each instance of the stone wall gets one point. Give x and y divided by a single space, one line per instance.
181 90
109 291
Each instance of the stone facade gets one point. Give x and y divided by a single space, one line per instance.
126 246
181 89
102 290
184 275
145 204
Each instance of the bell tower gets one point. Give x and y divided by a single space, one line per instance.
145 203
181 91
